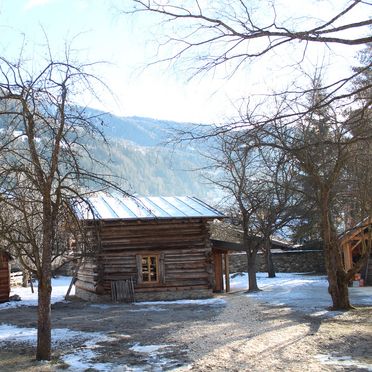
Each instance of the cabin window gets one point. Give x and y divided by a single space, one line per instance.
150 269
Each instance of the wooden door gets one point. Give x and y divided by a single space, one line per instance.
218 272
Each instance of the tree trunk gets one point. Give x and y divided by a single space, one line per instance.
44 338
337 278
44 329
269 258
252 278
270 264
25 278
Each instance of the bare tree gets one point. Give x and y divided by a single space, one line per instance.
235 165
229 35
258 185
205 36
279 200
228 28
44 138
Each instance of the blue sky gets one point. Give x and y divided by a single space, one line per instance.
100 33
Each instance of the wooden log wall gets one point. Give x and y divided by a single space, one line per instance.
4 278
183 247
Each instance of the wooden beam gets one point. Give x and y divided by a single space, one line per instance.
347 256
227 272
355 245
351 234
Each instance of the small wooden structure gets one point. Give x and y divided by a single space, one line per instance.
353 241
221 250
149 248
4 276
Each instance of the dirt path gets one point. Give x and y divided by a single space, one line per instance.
241 335
252 337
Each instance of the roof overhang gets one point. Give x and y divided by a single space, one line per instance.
103 206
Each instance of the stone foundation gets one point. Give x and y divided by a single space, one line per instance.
284 262
90 296
193 294
148 296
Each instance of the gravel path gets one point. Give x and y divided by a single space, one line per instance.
247 336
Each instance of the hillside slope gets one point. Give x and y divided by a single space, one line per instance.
137 154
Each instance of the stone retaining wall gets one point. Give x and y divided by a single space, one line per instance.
285 262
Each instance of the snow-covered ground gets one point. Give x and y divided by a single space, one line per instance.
59 285
307 293
302 292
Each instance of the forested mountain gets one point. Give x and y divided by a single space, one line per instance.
139 154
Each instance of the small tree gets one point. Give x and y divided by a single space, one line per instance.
44 138
236 165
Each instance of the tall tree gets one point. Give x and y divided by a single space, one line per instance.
359 198
321 146
231 34
44 137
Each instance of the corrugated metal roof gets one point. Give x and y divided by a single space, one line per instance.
107 207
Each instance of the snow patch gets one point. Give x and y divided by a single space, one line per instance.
147 348
60 336
102 306
81 360
343 361
298 291
154 358
149 308
208 301
59 290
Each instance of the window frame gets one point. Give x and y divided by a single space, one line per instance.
159 262
148 258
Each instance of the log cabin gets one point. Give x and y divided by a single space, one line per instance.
147 248
353 242
4 276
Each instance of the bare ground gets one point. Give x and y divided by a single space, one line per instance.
242 335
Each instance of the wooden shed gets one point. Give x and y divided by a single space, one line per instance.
4 276
148 248
353 241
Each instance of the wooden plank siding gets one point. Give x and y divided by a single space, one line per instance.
181 245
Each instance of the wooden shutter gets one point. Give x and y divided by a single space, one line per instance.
161 268
139 268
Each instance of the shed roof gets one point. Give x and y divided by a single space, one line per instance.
360 226
108 207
